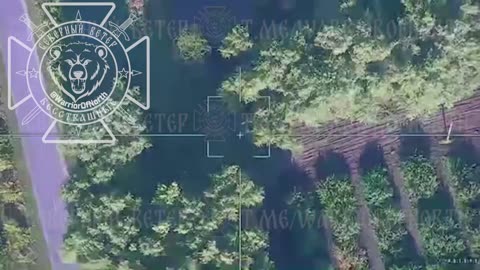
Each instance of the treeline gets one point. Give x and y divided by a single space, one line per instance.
16 241
356 70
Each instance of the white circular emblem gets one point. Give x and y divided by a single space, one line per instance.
83 64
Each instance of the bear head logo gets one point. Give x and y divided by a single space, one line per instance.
78 69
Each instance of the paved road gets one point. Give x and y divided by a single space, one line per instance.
45 164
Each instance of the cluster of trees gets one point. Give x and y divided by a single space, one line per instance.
336 194
193 233
358 71
206 230
387 220
336 199
194 47
440 231
107 227
16 241
102 225
464 178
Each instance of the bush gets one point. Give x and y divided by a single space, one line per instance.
441 238
420 178
192 46
378 191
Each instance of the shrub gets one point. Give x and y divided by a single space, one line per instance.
236 42
191 45
420 178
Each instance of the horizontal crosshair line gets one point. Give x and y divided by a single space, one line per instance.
116 135
296 136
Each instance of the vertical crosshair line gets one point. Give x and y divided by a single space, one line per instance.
240 79
240 198
240 220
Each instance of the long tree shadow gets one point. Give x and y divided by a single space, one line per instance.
414 141
465 150
330 164
296 242
372 158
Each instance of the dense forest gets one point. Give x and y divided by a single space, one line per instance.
362 69
357 70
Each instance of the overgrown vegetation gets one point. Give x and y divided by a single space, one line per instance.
386 218
464 178
236 42
440 231
337 196
353 72
420 178
16 241
102 227
107 226
206 229
358 71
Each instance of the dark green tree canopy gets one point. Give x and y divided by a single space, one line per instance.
358 71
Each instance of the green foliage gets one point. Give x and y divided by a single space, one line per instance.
340 206
98 162
464 179
440 232
236 42
352 72
378 191
11 193
55 11
6 154
420 178
18 242
192 46
206 229
387 220
105 228
127 146
347 5
441 238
